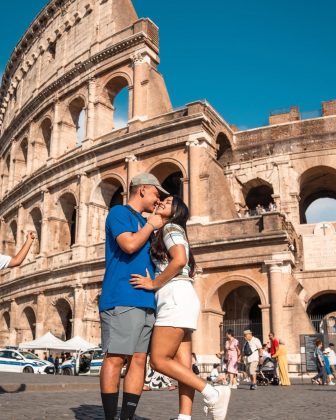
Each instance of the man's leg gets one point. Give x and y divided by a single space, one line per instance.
109 383
133 384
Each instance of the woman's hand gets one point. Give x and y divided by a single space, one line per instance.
142 282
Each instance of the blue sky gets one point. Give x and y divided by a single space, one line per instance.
245 57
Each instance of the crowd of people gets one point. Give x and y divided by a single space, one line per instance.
325 364
258 210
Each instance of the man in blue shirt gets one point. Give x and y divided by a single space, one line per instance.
127 314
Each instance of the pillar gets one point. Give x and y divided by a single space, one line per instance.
140 86
82 229
132 167
90 123
275 287
194 179
265 317
40 312
13 322
78 311
21 234
44 248
54 150
30 153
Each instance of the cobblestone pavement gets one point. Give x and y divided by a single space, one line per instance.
301 401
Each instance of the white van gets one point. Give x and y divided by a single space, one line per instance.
12 360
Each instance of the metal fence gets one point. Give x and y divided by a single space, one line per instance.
325 326
238 326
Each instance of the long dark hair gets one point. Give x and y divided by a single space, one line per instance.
179 216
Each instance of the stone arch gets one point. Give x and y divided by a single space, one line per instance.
27 324
258 191
224 149
107 193
61 317
20 160
318 182
170 173
65 228
73 124
42 147
5 174
35 223
11 238
321 310
214 299
4 327
111 117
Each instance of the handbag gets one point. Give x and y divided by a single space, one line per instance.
195 369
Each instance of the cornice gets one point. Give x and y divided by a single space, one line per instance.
81 68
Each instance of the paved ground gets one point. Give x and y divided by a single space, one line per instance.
300 401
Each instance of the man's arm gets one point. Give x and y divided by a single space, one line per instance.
21 255
131 242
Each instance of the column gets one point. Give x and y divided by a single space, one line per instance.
78 313
265 317
275 287
140 85
82 209
40 314
54 150
90 124
13 325
194 179
132 166
44 248
12 166
20 228
30 153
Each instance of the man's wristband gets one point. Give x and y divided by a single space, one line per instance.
149 223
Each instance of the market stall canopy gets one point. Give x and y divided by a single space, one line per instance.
78 343
46 342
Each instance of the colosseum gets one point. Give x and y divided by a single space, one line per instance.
64 162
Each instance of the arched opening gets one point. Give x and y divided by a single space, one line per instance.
258 196
318 195
5 175
27 325
322 313
77 112
20 164
224 149
108 194
36 223
62 322
93 321
68 222
171 177
11 239
242 311
43 144
4 328
117 101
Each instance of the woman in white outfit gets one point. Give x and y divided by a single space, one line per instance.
177 311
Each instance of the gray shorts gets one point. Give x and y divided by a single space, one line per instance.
126 330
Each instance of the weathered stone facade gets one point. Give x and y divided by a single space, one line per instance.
63 165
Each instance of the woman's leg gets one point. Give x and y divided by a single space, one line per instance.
186 394
231 378
164 347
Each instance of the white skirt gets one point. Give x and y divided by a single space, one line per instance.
177 305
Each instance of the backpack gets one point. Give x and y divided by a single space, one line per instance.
247 349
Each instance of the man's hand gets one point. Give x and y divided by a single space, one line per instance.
155 220
142 282
31 236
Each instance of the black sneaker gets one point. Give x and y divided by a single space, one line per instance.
253 387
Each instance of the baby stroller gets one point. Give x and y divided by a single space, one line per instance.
266 373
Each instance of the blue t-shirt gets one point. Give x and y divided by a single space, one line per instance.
116 289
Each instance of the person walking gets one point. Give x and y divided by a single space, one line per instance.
232 355
281 356
330 352
321 377
171 352
7 261
127 314
253 355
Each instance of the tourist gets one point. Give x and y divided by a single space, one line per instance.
252 352
7 261
321 377
232 355
57 364
265 353
175 321
330 352
327 368
50 359
45 356
281 356
273 344
214 374
127 314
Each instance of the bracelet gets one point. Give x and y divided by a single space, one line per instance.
149 223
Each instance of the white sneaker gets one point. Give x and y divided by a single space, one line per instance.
234 386
219 408
331 383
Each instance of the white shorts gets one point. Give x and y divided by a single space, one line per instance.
177 305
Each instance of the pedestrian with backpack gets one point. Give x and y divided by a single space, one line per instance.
253 355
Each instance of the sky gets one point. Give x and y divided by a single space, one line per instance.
246 58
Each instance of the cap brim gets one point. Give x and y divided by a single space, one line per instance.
162 190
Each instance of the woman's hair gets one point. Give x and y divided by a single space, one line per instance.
230 332
318 343
179 216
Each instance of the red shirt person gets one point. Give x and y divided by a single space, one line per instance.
274 343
